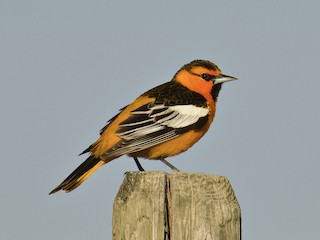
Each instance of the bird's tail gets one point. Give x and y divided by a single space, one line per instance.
79 175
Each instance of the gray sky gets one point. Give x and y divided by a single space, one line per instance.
68 66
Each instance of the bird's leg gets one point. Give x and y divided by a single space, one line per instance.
138 164
169 165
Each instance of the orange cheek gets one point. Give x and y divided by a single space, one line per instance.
195 83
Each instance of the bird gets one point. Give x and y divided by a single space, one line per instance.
162 122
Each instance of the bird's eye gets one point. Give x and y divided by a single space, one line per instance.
206 76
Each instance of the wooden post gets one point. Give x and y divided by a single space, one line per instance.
177 206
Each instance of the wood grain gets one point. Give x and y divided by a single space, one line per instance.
157 205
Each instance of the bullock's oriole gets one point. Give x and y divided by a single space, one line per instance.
162 122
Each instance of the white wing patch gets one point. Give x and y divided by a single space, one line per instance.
152 125
159 117
183 115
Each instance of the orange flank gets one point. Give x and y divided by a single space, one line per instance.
163 122
109 138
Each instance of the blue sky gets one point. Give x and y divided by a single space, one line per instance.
68 66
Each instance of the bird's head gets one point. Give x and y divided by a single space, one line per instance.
202 76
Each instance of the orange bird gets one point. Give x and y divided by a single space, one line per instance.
162 122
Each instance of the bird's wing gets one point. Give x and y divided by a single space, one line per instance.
153 124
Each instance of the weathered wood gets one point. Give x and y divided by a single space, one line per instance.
157 205
139 207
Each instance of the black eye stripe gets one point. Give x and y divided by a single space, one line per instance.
206 76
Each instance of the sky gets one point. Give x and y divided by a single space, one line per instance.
68 66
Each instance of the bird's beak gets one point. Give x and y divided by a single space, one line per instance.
223 78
